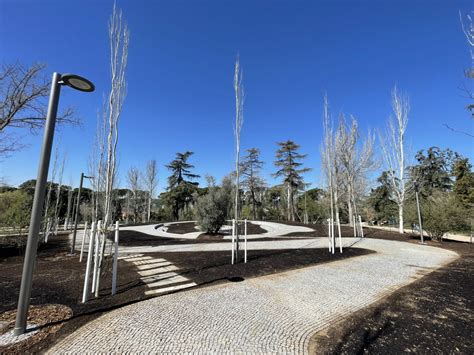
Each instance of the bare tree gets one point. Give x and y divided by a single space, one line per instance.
331 168
239 120
69 204
23 104
119 39
48 194
58 193
394 150
150 180
96 163
467 25
133 179
356 162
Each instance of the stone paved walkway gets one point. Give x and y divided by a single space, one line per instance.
272 314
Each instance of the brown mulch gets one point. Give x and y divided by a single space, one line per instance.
190 227
182 228
434 314
48 318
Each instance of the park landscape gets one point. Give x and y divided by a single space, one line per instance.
355 241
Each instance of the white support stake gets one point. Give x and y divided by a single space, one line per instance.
102 237
48 227
114 269
90 253
354 223
329 233
96 257
56 226
340 243
333 240
233 245
82 243
361 229
245 255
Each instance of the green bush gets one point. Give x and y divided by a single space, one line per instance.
15 209
211 209
441 213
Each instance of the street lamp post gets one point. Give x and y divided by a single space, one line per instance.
73 246
77 83
419 212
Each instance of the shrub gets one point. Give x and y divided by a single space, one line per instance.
15 209
211 209
441 213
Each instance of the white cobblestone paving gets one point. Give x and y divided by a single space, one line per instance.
271 314
158 274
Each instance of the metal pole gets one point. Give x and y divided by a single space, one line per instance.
78 202
419 213
37 209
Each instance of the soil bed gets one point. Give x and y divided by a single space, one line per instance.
133 238
191 227
434 314
182 228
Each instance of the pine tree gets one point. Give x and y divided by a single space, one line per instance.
290 169
180 184
464 184
251 167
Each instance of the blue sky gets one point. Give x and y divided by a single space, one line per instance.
181 57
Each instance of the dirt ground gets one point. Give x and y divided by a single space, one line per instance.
434 314
59 278
190 227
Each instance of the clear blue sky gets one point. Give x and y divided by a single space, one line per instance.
180 74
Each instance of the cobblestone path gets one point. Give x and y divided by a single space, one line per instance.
158 274
271 314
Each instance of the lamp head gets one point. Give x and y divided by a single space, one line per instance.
77 82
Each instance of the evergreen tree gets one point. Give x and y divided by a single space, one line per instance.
380 200
287 159
250 168
180 184
433 170
464 183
